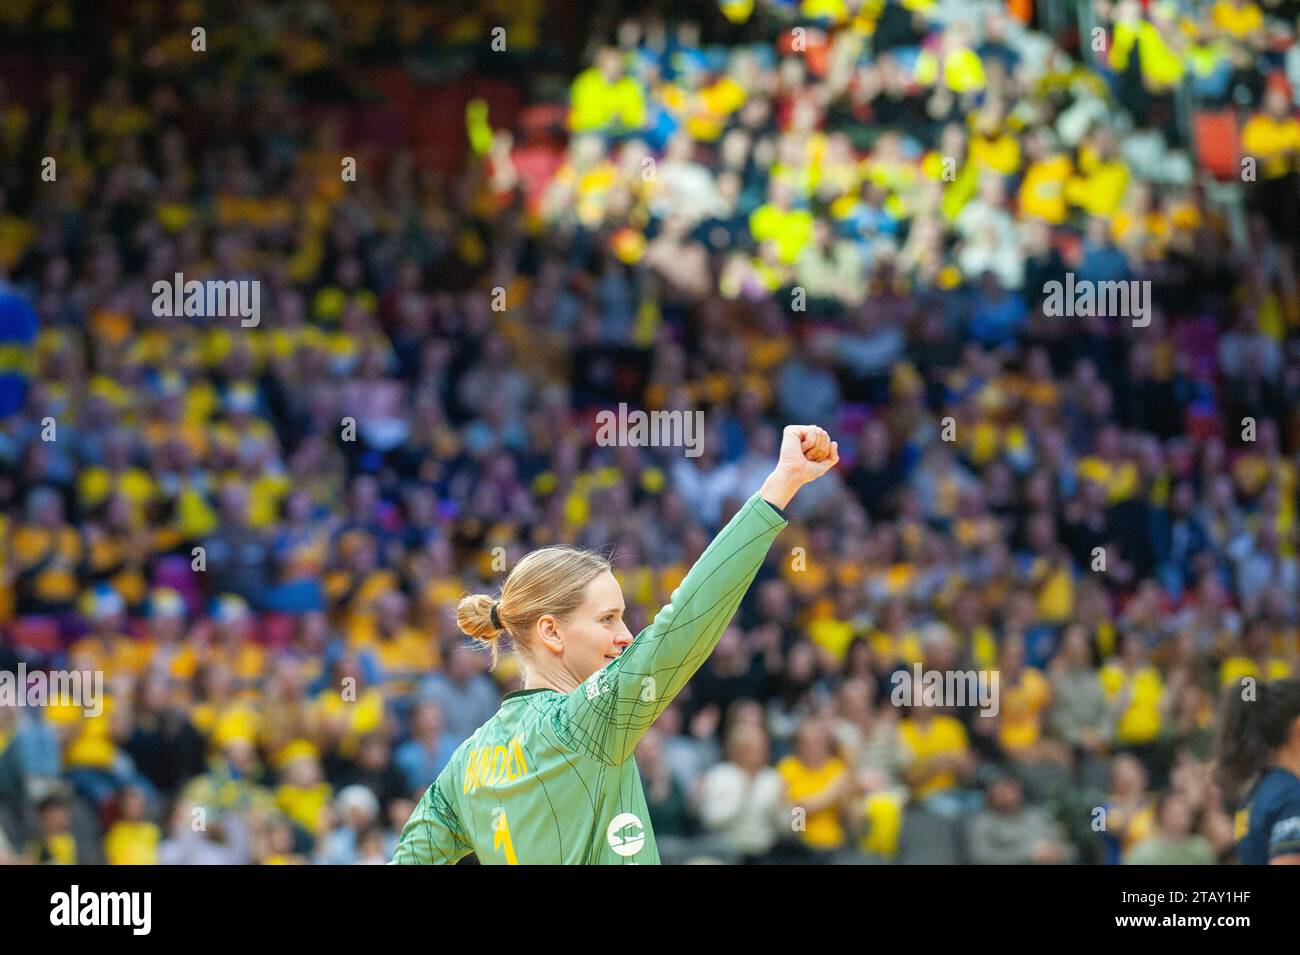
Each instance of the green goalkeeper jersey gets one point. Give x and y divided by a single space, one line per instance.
550 778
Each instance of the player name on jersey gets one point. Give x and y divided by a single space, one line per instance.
491 765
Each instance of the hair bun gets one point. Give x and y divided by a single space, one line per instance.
474 616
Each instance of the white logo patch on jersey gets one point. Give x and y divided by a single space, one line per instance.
596 684
626 834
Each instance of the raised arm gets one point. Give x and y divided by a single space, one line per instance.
605 717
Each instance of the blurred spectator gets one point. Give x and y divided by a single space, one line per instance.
817 785
1006 832
668 802
54 841
464 694
742 801
1172 842
422 757
133 839
355 809
939 760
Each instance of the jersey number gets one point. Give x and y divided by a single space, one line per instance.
501 836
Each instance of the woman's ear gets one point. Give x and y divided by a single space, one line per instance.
548 632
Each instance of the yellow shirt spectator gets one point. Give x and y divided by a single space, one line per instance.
1236 669
896 648
824 830
1042 193
983 648
962 70
836 11
833 636
1140 721
1238 19
89 739
95 484
882 822
1022 710
305 805
1099 187
59 848
960 182
1162 65
597 103
1274 144
999 154
225 723
114 655
944 736
265 494
1120 478
790 229
1055 592
56 552
353 720
737 11
408 651
132 843
716 102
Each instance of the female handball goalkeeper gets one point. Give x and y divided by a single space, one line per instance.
1258 768
550 778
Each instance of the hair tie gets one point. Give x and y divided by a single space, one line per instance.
496 621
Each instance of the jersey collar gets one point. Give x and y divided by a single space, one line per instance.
536 689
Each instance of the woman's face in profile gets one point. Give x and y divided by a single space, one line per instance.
595 633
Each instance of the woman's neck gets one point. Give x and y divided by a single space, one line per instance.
550 678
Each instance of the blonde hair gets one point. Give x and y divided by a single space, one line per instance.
551 580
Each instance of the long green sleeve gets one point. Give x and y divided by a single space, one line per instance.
606 716
432 836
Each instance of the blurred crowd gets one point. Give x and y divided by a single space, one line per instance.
837 212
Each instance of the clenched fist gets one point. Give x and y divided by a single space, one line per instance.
807 452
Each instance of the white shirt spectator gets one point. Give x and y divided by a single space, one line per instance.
748 811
